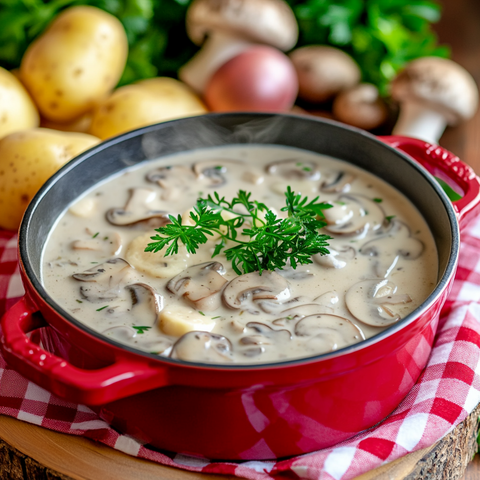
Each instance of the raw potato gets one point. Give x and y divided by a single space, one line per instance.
17 110
27 159
179 320
155 264
80 124
75 62
144 103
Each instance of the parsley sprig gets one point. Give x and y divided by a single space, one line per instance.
261 240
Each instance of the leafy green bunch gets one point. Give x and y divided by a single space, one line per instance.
267 242
382 35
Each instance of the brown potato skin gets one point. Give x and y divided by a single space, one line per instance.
27 159
17 110
75 62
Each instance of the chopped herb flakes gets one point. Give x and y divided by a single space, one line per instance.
102 308
141 329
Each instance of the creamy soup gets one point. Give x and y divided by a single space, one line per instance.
381 266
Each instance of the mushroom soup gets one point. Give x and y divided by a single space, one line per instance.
381 266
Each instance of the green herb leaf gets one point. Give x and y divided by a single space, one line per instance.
272 243
141 330
102 308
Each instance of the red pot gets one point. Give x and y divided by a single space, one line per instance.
238 412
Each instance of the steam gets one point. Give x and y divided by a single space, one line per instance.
203 132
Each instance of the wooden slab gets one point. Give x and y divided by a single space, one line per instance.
29 452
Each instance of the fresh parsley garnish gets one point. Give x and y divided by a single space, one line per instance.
141 330
271 243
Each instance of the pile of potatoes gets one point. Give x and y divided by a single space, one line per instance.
60 102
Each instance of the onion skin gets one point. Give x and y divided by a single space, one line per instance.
260 79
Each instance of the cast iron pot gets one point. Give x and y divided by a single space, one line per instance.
233 411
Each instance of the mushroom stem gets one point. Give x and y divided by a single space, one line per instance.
419 121
217 49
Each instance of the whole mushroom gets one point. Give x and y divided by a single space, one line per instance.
433 93
361 106
226 28
323 72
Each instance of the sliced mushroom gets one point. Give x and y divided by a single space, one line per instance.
361 215
335 258
236 326
109 243
253 176
84 208
269 285
213 171
62 262
367 301
146 303
327 333
328 300
292 169
200 284
387 249
174 180
295 313
103 280
269 306
260 336
295 273
122 333
126 334
338 183
138 209
202 347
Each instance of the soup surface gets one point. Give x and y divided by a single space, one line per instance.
381 266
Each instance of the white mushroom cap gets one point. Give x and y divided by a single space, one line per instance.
434 92
361 106
226 28
440 83
323 72
261 21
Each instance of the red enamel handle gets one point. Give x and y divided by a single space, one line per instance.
447 166
123 378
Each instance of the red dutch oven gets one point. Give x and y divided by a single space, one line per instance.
237 411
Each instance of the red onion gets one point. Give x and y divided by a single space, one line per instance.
259 79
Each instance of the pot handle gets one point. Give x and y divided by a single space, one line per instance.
123 378
448 167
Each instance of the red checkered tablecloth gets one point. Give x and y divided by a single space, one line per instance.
447 391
